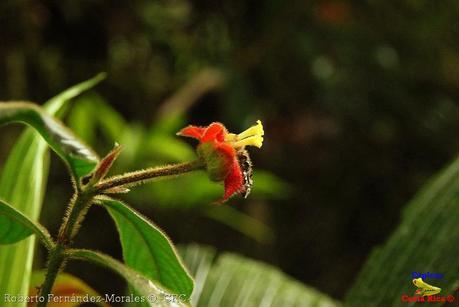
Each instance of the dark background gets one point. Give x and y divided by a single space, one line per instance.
358 100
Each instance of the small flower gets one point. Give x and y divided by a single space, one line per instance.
224 155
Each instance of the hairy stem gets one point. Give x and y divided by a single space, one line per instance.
75 213
56 261
77 208
141 176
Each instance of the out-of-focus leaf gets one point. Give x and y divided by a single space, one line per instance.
148 250
16 227
233 280
66 285
22 182
141 284
80 158
268 185
132 139
165 147
168 124
241 222
200 83
425 241
196 190
92 112
82 120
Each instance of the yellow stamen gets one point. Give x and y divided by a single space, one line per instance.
250 137
230 137
255 140
252 131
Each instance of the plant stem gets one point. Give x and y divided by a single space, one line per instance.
141 176
56 261
76 211
77 208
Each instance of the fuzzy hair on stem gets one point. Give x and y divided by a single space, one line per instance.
142 176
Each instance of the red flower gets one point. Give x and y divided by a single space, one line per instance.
225 156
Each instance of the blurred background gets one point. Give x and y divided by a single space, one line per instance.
358 100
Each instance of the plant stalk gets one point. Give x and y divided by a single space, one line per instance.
141 176
56 261
76 210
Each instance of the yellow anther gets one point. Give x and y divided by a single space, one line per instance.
255 140
256 130
250 137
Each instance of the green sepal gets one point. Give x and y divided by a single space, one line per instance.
217 163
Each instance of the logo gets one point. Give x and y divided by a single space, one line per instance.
426 292
427 275
424 289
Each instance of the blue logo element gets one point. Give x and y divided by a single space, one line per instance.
415 275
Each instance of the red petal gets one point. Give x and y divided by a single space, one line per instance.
215 132
226 150
233 182
192 131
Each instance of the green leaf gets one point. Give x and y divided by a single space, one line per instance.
233 280
22 183
167 148
139 282
268 186
241 222
80 158
148 250
425 241
85 120
17 227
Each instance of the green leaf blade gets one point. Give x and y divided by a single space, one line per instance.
148 250
16 227
80 158
27 164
